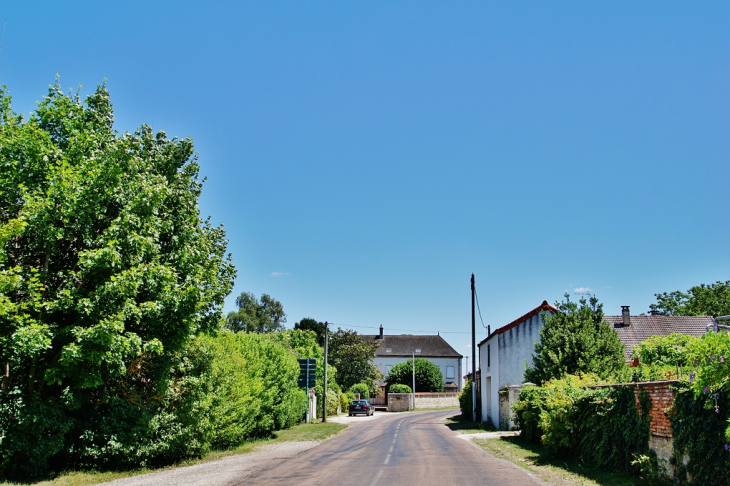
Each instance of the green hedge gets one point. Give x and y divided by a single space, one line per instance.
398 388
698 428
600 425
217 392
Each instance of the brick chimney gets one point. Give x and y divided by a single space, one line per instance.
625 315
381 332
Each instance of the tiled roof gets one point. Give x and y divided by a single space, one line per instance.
544 307
643 327
403 345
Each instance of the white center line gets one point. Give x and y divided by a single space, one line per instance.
391 449
387 459
375 479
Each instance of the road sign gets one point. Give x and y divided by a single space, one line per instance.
307 373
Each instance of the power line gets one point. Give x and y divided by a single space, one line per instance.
480 311
394 329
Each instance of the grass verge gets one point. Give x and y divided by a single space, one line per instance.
536 459
302 432
465 425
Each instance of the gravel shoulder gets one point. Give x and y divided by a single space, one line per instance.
223 471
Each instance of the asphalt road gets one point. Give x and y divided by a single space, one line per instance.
394 449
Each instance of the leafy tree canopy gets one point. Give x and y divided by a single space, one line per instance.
664 350
701 300
353 359
309 324
576 340
428 376
106 268
253 315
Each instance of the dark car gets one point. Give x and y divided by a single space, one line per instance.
360 406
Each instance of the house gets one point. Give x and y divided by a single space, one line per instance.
398 348
634 330
504 354
502 358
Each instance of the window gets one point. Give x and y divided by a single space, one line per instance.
450 375
388 350
489 355
418 350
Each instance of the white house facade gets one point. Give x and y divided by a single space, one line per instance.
398 348
503 356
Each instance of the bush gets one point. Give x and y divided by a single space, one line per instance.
428 375
465 400
664 350
698 427
362 389
398 388
602 426
345 400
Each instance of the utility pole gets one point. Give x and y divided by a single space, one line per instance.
414 379
473 354
324 388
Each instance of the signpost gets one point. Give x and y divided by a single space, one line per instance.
307 377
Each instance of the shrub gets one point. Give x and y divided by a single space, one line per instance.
698 427
345 399
428 375
664 350
465 400
602 426
362 389
398 388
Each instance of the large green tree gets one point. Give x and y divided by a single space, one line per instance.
700 300
256 315
353 359
106 268
309 324
576 340
428 376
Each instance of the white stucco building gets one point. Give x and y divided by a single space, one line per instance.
397 348
503 355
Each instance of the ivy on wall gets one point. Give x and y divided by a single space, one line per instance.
698 426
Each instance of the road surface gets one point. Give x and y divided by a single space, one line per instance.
396 449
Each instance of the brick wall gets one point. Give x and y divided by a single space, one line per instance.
660 428
662 400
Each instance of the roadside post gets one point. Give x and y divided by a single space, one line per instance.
324 388
307 379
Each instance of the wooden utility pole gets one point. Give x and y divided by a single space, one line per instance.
473 355
324 388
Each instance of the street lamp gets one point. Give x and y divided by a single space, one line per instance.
414 379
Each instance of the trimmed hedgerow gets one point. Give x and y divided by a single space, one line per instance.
600 425
399 388
698 427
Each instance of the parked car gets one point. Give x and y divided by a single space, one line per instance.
360 406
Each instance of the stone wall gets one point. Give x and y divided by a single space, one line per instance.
437 400
399 402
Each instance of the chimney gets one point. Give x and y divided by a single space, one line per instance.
626 316
381 332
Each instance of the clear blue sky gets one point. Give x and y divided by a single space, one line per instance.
367 158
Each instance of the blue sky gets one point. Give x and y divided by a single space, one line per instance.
367 159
